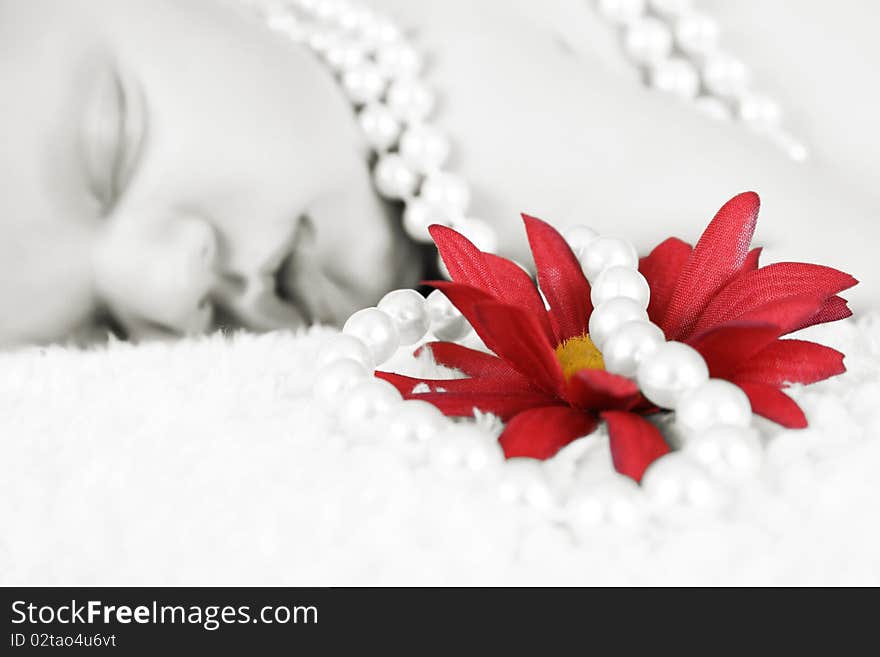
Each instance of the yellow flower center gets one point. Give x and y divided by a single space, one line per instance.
577 354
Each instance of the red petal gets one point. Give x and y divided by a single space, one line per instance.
497 277
470 361
463 260
791 361
635 443
758 288
405 384
561 278
833 309
785 314
516 337
462 396
719 255
503 404
541 432
752 260
661 269
499 384
518 289
773 404
727 347
465 298
599 390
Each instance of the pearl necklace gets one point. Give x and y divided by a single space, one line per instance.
677 52
377 70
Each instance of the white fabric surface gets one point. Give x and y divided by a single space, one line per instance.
205 463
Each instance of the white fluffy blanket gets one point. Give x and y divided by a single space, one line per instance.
205 463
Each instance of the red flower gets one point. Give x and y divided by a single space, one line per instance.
546 379
715 298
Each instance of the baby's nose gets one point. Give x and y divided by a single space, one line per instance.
159 274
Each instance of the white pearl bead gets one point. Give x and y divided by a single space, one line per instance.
322 41
480 233
419 215
620 12
365 403
379 31
448 191
326 10
673 370
350 19
604 252
620 281
795 149
578 237
398 60
696 34
394 178
366 27
525 480
647 40
446 449
287 25
715 402
483 454
607 317
613 500
424 148
725 76
344 56
676 480
407 309
345 346
629 344
415 421
363 84
377 331
465 445
447 323
759 111
728 452
379 125
336 378
410 100
714 108
345 11
670 8
676 76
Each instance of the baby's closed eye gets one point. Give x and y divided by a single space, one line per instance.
113 131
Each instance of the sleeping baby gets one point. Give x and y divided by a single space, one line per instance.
174 166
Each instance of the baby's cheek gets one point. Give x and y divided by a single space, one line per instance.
36 312
45 278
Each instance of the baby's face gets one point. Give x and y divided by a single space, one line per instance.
163 157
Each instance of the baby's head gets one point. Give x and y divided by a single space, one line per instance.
162 158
